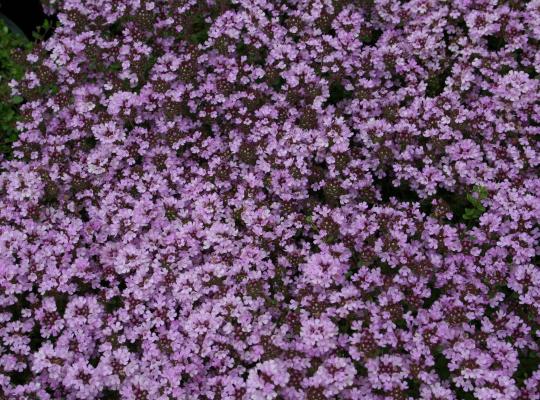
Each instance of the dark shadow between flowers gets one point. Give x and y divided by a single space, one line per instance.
28 16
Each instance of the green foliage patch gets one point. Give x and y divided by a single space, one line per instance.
475 199
10 68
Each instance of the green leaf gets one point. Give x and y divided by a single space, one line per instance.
470 214
475 198
9 70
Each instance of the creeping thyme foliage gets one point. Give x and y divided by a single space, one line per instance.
12 50
275 199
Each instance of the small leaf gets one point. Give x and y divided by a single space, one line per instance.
470 213
482 192
473 200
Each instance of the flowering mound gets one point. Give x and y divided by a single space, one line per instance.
275 199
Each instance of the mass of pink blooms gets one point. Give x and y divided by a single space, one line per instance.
275 199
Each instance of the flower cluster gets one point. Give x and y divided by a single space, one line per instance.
275 199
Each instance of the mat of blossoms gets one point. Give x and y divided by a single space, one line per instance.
275 199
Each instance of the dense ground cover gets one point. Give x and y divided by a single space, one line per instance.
10 68
318 199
